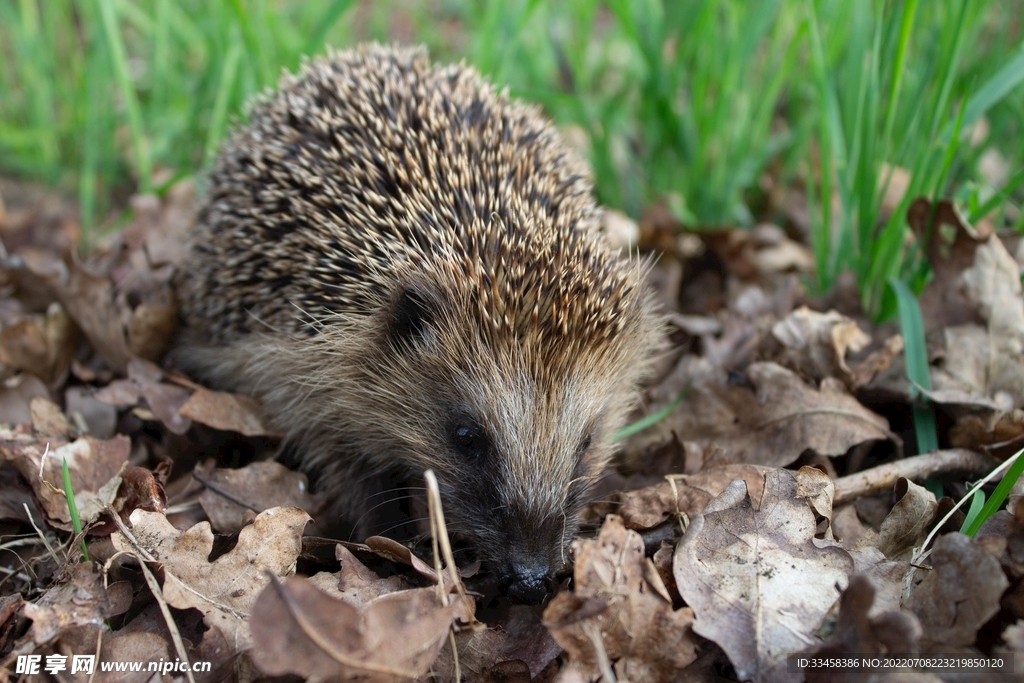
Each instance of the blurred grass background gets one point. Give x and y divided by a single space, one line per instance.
706 106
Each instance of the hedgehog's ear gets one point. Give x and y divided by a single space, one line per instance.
412 314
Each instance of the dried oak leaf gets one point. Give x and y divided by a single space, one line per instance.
94 466
943 301
975 298
258 486
960 593
141 489
166 400
16 395
299 629
84 408
857 633
48 420
80 601
815 344
223 590
757 580
771 420
908 522
687 494
224 411
620 613
41 345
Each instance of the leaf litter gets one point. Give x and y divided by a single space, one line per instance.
773 512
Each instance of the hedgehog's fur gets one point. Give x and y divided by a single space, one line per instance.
405 266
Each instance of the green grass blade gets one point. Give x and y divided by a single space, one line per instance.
916 355
951 147
218 119
977 503
998 496
993 90
652 419
316 42
898 69
1012 184
69 495
119 58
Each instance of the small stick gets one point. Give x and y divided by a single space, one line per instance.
883 477
143 556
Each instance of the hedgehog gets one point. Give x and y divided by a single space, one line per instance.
406 267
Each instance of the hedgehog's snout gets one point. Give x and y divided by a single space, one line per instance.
528 582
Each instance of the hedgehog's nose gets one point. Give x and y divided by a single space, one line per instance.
529 583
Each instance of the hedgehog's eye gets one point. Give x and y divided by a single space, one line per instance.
584 447
469 441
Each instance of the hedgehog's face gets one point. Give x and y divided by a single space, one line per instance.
515 444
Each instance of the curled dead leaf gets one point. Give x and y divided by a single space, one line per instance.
758 581
961 593
619 614
94 466
225 411
298 629
225 589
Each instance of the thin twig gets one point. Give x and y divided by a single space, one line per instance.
154 587
884 477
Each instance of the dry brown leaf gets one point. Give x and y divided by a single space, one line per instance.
479 652
84 408
818 490
877 361
89 299
15 397
943 301
299 629
10 608
41 345
391 549
528 641
258 486
687 494
960 593
993 283
121 393
130 647
858 634
355 583
909 520
815 344
975 297
758 582
150 328
48 420
80 601
620 613
161 226
225 589
141 489
94 466
166 400
772 421
886 577
224 411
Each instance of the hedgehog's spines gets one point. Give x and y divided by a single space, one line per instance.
368 173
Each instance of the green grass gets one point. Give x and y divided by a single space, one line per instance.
915 353
69 496
693 103
898 93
